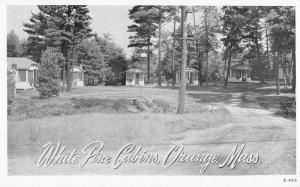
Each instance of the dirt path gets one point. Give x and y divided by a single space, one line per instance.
270 136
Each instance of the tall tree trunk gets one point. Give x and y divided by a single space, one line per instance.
68 72
206 68
73 61
181 95
197 51
284 72
267 51
225 63
148 60
277 77
206 48
68 56
294 70
159 51
258 56
173 53
290 64
228 67
200 70
63 78
288 67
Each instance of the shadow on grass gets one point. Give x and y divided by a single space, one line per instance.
280 105
27 109
213 97
102 105
251 96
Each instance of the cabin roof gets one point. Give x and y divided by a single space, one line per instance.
78 68
188 69
22 63
240 67
135 70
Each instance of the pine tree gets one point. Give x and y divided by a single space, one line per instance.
36 29
63 26
207 35
147 20
118 66
91 58
71 27
282 35
175 19
197 47
165 14
252 37
232 24
144 27
95 54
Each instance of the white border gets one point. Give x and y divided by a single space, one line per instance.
40 181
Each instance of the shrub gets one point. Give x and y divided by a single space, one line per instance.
160 105
11 87
49 73
288 109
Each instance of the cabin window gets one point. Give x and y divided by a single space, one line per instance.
130 76
22 75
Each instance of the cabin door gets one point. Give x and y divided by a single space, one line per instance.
74 79
244 75
191 78
137 78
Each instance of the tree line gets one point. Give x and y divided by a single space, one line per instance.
261 37
62 33
245 28
216 38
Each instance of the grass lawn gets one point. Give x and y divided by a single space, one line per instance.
215 119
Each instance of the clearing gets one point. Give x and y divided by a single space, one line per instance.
216 120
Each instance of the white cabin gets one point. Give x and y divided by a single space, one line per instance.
78 76
240 73
24 70
135 77
191 76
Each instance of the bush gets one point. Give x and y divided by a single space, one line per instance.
48 87
49 73
159 105
288 109
11 90
11 87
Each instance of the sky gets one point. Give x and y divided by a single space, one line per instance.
106 19
111 20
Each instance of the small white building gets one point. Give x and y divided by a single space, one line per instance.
240 73
191 76
135 76
78 76
24 70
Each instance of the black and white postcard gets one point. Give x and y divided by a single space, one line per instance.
148 89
